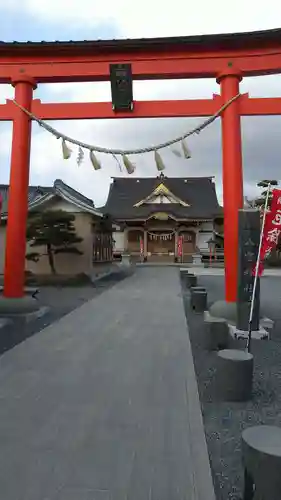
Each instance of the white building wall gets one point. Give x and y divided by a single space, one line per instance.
205 233
119 241
207 226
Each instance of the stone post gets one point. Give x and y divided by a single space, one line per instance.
249 236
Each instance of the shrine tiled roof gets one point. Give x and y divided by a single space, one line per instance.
219 41
199 193
38 195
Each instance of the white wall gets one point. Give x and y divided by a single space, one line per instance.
207 226
203 237
119 238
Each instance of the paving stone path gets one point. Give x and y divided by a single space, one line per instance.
103 404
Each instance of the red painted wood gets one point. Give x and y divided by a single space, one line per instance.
102 110
152 65
232 181
264 106
18 194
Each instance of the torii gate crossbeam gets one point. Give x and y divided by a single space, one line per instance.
224 57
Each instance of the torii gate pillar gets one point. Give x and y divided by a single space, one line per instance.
18 191
232 177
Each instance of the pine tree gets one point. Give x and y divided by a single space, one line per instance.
260 201
55 233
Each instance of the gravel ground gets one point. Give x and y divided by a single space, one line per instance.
224 422
61 301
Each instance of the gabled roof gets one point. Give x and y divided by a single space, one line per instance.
198 195
161 191
37 196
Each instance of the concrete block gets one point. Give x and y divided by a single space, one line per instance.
198 301
216 333
225 310
190 280
261 457
261 334
126 259
197 289
234 376
18 306
184 270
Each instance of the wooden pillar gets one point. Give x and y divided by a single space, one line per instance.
232 178
18 191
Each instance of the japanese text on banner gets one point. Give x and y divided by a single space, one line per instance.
272 229
180 245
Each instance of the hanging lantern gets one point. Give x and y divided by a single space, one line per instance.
128 165
80 156
186 151
159 162
66 151
94 161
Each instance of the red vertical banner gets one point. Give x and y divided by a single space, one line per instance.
272 229
180 246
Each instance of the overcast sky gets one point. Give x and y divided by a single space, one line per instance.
89 19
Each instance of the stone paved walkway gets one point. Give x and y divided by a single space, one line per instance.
103 404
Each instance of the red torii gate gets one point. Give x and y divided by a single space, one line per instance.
228 58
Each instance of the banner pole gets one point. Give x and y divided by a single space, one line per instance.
248 347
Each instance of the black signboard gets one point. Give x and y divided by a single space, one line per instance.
121 87
249 237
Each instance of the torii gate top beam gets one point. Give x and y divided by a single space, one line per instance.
255 54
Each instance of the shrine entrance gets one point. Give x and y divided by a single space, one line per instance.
188 245
161 245
227 58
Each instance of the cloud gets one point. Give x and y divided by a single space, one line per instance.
6 92
152 18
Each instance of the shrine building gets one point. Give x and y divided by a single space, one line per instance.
153 213
91 225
